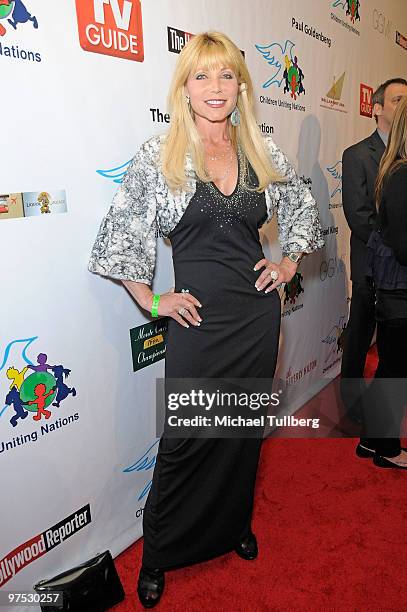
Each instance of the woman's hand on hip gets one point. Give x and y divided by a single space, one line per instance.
274 274
180 306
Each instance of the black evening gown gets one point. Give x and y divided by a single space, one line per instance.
201 499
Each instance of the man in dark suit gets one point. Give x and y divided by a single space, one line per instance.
360 164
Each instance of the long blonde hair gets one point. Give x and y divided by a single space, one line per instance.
210 50
396 151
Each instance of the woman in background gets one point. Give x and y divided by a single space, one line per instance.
385 399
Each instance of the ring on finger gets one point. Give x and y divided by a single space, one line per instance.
274 275
182 312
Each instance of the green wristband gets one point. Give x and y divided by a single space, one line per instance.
154 307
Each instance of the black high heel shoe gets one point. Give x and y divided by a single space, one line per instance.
150 586
369 453
363 452
247 548
386 463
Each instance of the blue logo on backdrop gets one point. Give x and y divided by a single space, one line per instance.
285 68
145 463
275 54
115 174
335 184
334 341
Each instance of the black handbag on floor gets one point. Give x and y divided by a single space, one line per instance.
93 586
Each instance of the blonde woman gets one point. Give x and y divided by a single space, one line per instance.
385 399
208 185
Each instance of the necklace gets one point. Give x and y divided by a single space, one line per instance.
228 167
220 155
235 196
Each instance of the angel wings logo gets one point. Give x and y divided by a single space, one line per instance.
285 67
34 388
335 184
334 339
115 174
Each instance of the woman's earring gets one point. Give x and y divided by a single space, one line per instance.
188 99
235 117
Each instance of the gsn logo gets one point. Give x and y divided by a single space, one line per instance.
111 27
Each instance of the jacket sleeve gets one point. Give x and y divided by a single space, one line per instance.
297 212
396 211
359 211
125 246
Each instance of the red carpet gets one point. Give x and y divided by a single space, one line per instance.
331 530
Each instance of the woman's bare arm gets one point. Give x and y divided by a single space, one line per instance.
169 305
141 293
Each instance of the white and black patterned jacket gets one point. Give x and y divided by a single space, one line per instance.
143 206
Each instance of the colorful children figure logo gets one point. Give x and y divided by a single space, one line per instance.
36 392
293 76
15 12
6 6
293 289
353 10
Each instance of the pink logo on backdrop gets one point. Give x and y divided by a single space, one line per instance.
366 100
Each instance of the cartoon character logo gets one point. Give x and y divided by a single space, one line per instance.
44 199
293 289
280 56
293 76
351 6
15 12
353 10
34 392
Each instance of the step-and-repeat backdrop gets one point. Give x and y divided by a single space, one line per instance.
83 84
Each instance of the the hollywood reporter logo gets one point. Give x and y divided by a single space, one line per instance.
42 543
111 27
